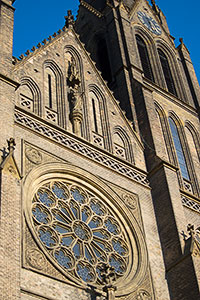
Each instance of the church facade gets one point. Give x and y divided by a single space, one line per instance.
100 159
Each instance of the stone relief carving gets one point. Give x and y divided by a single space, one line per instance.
35 258
143 295
33 155
130 201
75 95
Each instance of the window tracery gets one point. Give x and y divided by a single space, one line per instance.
167 72
144 57
179 150
79 231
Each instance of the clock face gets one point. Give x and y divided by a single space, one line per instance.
149 22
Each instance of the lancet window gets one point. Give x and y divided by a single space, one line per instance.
179 150
96 119
167 72
144 58
50 90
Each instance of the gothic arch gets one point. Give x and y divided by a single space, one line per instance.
128 150
195 136
58 113
98 44
174 67
151 48
165 131
36 93
103 115
144 57
78 60
190 185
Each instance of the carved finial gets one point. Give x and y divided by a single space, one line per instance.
50 38
155 7
108 276
181 40
11 145
190 229
55 34
39 45
27 52
69 19
59 31
33 48
44 41
21 56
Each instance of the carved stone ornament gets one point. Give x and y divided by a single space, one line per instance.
143 295
33 155
35 258
195 240
130 201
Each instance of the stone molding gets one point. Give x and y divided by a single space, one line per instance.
191 204
78 146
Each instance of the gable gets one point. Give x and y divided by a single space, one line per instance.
61 85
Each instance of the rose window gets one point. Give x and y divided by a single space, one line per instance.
79 231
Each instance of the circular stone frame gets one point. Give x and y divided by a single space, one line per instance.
138 264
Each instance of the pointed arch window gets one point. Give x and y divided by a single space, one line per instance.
26 97
119 146
167 72
179 150
103 60
50 89
51 101
96 115
144 57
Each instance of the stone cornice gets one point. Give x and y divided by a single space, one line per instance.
91 8
9 81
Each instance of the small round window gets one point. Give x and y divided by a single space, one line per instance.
79 231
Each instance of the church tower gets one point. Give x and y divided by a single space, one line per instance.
156 85
100 177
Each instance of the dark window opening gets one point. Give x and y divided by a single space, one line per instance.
50 91
94 116
167 72
144 57
103 60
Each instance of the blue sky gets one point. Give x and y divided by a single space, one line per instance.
37 19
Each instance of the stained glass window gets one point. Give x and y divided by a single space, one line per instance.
79 231
179 150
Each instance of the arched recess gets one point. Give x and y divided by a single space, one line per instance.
195 137
193 141
98 45
54 109
163 136
151 49
98 114
30 95
173 74
144 58
75 84
187 175
122 146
